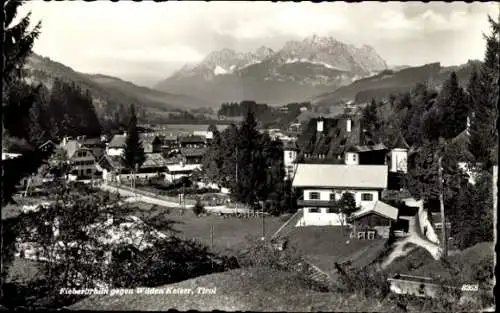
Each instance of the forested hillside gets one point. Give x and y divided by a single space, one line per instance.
446 126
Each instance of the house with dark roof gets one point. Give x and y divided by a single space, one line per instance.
117 145
96 145
366 154
193 155
192 141
48 146
323 184
169 142
154 163
82 161
150 142
111 166
326 140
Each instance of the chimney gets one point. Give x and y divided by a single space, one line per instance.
319 125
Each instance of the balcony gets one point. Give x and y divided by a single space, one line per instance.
315 203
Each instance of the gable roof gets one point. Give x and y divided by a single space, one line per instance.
118 141
148 138
154 160
379 208
341 175
191 139
112 162
400 142
92 141
193 152
333 140
71 147
366 148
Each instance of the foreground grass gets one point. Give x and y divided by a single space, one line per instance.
253 289
229 234
325 245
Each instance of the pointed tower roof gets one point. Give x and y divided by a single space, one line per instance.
400 142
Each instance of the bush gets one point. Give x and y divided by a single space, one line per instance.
198 208
366 281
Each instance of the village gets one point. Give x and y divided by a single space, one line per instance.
340 160
301 173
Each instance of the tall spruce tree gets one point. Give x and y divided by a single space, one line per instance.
484 94
249 161
134 151
17 97
453 108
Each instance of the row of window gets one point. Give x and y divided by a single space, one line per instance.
328 210
313 195
86 162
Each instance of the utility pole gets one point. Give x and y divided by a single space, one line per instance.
444 237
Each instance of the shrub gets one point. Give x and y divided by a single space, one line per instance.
367 281
198 208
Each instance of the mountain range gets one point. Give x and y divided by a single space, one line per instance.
109 91
299 70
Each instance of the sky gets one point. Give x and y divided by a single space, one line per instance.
146 42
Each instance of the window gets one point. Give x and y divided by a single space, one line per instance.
332 196
366 197
314 210
290 154
354 157
314 195
332 210
89 170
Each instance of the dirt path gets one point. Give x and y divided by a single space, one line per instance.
134 197
417 239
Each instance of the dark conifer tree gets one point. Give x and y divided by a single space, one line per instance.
134 151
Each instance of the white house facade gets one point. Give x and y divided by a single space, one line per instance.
290 152
322 184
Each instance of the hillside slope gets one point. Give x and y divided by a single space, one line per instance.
393 82
108 92
254 289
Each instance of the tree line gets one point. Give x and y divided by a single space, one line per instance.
250 164
444 127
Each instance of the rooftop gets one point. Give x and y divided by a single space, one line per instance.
339 175
379 208
118 141
193 152
154 160
192 139
360 149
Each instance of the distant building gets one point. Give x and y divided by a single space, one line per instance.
116 146
192 142
48 146
176 171
154 163
290 151
169 142
111 167
96 145
151 143
326 140
323 184
193 155
82 161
